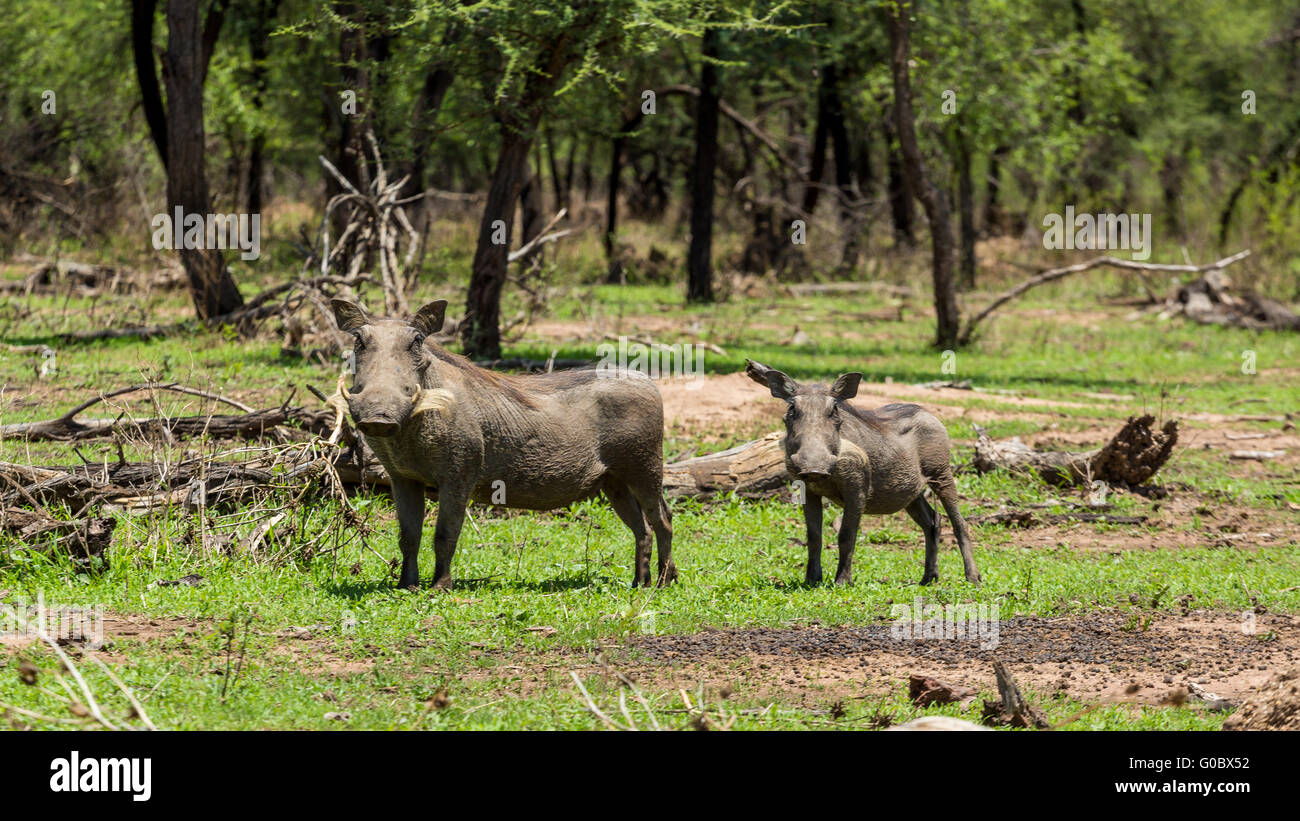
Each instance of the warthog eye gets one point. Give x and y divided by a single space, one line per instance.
418 342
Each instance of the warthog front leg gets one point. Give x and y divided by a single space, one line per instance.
451 515
409 496
848 539
812 519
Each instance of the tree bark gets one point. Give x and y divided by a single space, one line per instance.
142 19
189 48
481 327
481 331
259 50
817 163
437 81
532 220
966 209
900 204
699 264
614 265
919 185
993 217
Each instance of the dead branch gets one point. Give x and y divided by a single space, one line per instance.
82 540
1060 273
1132 456
1013 709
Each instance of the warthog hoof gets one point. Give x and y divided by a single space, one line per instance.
668 575
929 578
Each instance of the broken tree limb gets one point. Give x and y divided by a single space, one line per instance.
1054 274
752 469
1012 709
251 424
1132 456
83 540
1207 300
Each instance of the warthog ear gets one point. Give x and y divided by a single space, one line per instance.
846 387
782 386
428 320
348 316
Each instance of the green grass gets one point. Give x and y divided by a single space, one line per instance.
390 658
569 572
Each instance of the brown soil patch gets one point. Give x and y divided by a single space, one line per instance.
1097 657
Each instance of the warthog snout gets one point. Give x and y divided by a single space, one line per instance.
377 428
814 475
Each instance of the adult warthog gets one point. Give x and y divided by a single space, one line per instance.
444 427
877 461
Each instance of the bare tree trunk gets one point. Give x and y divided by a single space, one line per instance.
900 203
532 219
839 133
189 49
699 264
481 329
615 274
931 196
993 217
142 19
437 81
347 149
553 164
966 209
569 166
259 49
817 163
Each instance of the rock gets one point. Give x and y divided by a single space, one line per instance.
939 723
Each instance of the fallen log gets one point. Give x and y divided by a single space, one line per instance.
141 485
85 541
251 426
1052 275
1132 456
83 279
753 469
1207 300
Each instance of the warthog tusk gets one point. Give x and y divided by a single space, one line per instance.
439 399
338 401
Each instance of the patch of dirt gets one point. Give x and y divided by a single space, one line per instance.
716 406
300 646
1098 657
135 628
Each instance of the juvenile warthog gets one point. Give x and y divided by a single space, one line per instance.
877 461
443 426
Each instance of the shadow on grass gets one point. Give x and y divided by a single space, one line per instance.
360 589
